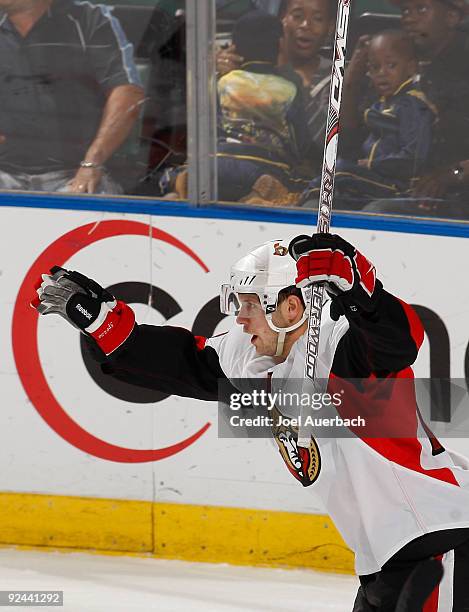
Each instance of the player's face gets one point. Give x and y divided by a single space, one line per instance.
306 25
252 318
388 68
428 22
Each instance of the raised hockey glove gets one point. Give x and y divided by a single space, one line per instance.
349 277
86 305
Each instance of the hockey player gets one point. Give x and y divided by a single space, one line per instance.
397 501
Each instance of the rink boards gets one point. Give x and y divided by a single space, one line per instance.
92 464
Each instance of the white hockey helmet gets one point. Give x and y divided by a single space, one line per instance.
265 271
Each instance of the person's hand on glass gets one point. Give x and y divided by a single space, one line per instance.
86 180
436 183
432 185
227 60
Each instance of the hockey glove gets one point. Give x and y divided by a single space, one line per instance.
349 277
86 305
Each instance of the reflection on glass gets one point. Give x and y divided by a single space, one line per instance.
78 84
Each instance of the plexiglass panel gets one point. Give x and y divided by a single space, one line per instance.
404 141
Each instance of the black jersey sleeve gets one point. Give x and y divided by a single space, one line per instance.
379 343
167 359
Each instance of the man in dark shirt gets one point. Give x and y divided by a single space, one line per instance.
69 95
443 51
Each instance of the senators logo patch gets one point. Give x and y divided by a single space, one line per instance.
303 463
280 250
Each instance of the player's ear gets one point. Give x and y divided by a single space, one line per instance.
294 308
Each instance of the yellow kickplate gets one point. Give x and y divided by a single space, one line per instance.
75 522
249 537
174 531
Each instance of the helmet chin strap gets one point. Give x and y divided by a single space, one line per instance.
283 331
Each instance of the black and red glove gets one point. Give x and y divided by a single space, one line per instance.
349 277
86 305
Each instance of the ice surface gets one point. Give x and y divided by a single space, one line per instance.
98 583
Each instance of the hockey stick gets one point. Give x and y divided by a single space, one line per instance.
326 193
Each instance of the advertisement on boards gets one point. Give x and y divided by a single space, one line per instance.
74 431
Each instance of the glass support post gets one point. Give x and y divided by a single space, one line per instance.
201 101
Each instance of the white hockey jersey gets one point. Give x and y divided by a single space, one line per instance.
381 493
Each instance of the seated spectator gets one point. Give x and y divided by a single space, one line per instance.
399 124
443 52
307 24
262 123
446 79
69 94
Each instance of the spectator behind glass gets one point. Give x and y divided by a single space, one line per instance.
263 128
69 95
399 125
307 24
443 53
444 49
